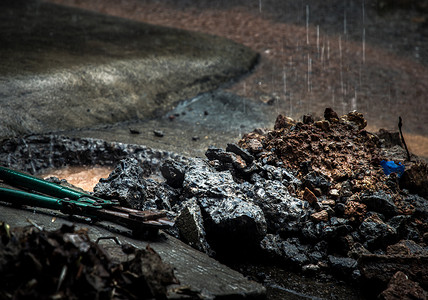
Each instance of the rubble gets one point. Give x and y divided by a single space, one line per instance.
129 184
310 195
66 264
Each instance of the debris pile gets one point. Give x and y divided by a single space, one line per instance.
65 264
311 195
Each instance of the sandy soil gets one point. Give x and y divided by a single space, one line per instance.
342 54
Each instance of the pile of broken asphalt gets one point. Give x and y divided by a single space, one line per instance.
311 196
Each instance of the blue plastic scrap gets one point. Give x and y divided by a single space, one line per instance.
391 167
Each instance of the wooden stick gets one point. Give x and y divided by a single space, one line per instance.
400 124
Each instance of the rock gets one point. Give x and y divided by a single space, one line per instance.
376 233
379 202
420 205
401 224
320 216
356 119
324 125
415 179
355 211
340 209
230 218
234 148
286 177
283 122
311 269
401 287
128 185
173 172
328 203
338 227
283 250
307 119
225 158
271 245
158 133
313 180
191 228
330 115
201 180
342 266
232 222
312 232
282 211
254 146
310 197
357 250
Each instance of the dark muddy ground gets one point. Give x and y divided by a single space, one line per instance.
368 55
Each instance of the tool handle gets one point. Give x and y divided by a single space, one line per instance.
24 198
15 178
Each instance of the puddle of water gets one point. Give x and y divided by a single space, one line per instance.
84 177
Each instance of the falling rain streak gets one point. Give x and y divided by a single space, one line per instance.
364 45
307 24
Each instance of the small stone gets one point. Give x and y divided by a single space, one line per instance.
376 233
343 266
158 133
324 125
308 119
356 119
320 216
355 211
328 202
334 193
310 269
134 131
283 122
241 152
331 115
173 172
255 146
310 197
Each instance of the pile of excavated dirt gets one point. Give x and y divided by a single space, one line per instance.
66 264
342 151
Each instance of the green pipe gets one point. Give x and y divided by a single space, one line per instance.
24 198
